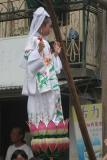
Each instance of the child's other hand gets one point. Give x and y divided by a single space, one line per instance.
57 48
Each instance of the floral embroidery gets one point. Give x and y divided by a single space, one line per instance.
47 80
42 79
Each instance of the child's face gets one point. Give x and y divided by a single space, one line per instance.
19 157
46 29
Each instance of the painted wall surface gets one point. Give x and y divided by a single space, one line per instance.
11 53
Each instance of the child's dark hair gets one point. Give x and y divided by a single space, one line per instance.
17 153
46 21
35 158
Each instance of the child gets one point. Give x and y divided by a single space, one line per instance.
19 155
41 83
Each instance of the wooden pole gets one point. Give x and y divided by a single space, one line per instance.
104 80
71 84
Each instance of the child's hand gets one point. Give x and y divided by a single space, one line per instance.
57 48
41 45
47 61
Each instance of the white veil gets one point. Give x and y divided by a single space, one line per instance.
38 18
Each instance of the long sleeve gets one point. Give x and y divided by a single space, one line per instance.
35 60
57 64
24 59
35 64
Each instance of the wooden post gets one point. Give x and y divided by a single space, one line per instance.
104 80
71 84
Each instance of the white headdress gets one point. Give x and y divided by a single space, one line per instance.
38 18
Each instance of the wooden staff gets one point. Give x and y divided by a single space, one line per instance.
104 78
71 84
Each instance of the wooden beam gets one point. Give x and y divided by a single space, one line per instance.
104 80
71 84
16 15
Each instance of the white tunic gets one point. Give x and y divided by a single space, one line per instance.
41 86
